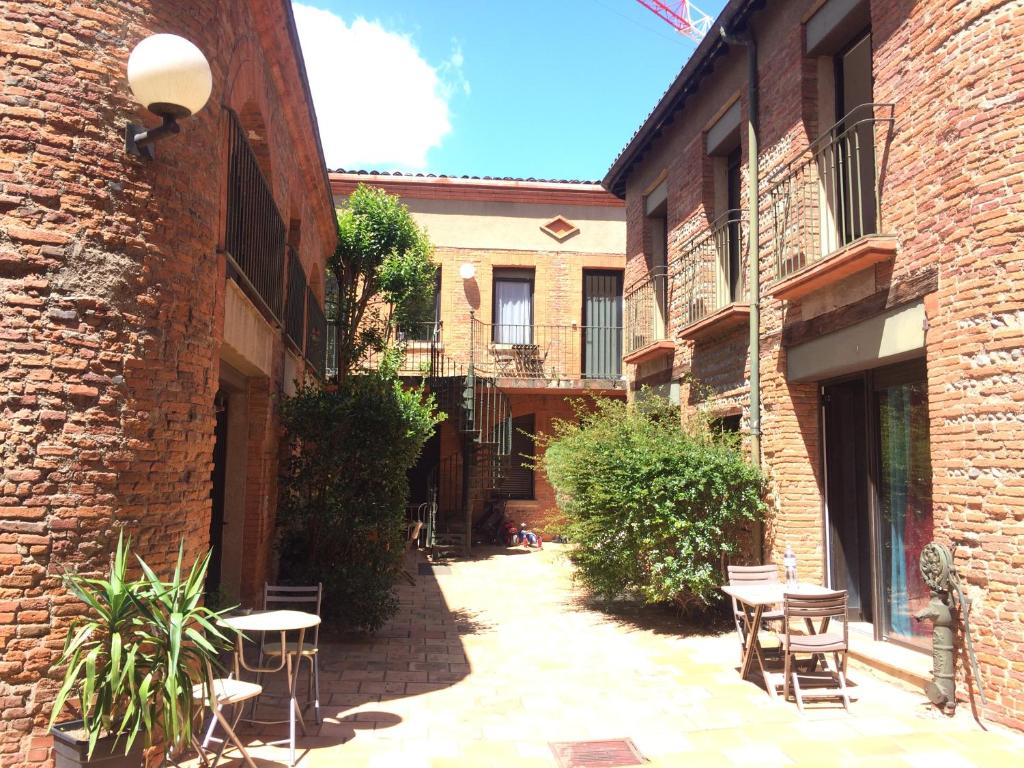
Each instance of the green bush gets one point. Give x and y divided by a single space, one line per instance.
342 509
651 504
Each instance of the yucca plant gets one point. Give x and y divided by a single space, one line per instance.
133 658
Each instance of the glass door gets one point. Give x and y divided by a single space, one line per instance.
904 497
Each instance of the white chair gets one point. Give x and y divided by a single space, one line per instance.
303 599
216 693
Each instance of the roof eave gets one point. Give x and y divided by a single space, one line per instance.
687 81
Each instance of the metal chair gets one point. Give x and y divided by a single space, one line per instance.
216 693
816 643
295 598
752 574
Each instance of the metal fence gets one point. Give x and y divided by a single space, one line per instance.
711 270
295 301
255 234
420 344
646 310
316 335
548 352
830 196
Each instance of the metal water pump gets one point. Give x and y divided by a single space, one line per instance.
940 575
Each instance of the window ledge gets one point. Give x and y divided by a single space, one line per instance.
655 349
858 255
717 323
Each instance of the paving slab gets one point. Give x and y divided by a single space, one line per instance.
488 662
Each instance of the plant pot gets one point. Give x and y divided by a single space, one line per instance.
70 752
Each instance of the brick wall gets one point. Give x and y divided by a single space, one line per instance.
952 193
111 296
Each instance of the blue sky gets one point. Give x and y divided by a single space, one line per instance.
545 89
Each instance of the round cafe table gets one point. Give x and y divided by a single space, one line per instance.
283 622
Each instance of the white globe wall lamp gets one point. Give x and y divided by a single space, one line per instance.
171 78
467 271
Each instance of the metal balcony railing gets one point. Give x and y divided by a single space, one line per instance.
316 335
710 272
295 301
548 352
255 233
646 310
830 196
421 345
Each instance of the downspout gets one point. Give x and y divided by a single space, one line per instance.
754 237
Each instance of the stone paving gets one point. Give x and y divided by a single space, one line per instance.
487 663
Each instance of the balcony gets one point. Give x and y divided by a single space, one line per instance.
255 234
825 206
646 310
526 356
708 282
421 345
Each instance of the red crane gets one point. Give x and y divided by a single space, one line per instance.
686 18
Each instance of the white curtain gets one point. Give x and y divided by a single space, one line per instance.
513 317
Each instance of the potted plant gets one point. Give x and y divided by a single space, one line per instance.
131 663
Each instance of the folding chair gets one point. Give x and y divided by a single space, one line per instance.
752 574
216 693
818 642
295 598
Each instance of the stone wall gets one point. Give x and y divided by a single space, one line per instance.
111 301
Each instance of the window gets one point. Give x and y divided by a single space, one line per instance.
726 424
513 306
723 147
656 247
518 480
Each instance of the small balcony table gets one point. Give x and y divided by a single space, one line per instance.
283 622
753 599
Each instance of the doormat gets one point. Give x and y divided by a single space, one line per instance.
596 754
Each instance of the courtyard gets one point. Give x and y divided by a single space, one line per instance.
492 658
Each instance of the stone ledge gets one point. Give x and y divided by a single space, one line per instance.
858 255
650 352
717 323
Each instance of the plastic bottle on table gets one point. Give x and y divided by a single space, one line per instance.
789 566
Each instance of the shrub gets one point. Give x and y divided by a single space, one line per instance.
651 504
342 511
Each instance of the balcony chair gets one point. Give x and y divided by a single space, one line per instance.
753 574
283 598
816 643
216 693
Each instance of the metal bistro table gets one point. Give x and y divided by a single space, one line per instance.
753 599
283 622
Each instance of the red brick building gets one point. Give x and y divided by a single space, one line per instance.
539 321
884 220
151 311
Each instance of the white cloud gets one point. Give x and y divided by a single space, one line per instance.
378 101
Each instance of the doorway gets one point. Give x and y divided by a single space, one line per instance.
218 486
602 324
878 495
848 532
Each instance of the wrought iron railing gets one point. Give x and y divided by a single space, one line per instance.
548 352
710 272
316 335
830 196
646 310
420 345
295 301
255 233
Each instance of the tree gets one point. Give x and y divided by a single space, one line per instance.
383 273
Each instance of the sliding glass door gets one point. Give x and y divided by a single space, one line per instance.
878 495
904 498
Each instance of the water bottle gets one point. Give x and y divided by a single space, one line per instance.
789 566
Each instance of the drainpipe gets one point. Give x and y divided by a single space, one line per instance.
753 277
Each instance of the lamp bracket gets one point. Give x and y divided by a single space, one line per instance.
139 140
